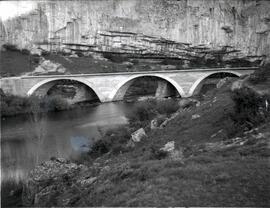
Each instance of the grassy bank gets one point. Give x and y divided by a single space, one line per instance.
115 140
211 172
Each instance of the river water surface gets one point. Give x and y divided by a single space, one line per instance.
25 142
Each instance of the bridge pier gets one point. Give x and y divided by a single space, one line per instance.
164 89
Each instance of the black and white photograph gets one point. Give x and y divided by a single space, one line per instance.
135 103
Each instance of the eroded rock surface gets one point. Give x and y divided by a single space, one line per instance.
212 33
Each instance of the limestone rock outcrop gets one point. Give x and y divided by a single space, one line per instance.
210 32
138 135
47 66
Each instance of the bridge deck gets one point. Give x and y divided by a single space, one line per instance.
139 72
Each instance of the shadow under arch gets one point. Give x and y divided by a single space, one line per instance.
199 81
123 86
49 83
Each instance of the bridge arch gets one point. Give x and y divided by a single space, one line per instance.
119 92
51 82
199 81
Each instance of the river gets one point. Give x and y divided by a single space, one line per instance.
25 142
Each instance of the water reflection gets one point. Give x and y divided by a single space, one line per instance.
80 144
25 143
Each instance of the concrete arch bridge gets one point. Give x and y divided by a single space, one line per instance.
113 86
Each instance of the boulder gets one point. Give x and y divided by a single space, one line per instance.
154 124
39 70
237 85
127 63
222 82
50 66
46 66
176 155
98 56
167 120
195 116
164 123
168 147
36 51
73 56
87 182
138 135
62 70
173 153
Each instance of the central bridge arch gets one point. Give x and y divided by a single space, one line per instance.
119 92
44 86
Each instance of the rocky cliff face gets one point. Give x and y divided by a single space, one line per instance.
175 28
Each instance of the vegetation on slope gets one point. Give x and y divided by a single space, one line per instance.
224 160
16 62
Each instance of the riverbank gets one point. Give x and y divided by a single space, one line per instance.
214 153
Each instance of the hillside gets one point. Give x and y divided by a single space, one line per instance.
220 157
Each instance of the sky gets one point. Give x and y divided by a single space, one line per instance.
10 9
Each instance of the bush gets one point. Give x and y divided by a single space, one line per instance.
25 51
114 140
260 75
147 110
142 111
249 108
10 47
13 105
57 103
167 106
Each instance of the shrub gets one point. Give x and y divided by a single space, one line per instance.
143 111
147 110
12 105
10 47
167 106
57 103
249 108
25 51
260 75
100 147
114 140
